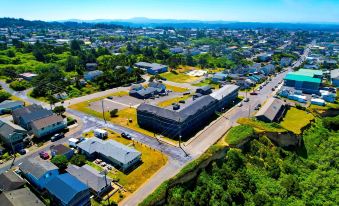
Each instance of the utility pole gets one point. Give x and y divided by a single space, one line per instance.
10 140
103 111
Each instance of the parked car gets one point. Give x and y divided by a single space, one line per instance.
23 151
44 155
273 89
253 93
240 104
257 107
57 137
126 136
182 101
246 99
109 97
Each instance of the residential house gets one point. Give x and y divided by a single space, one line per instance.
91 66
92 75
61 149
12 135
145 93
28 76
48 125
9 181
268 69
26 115
67 190
160 87
8 106
96 181
38 171
121 156
219 77
286 61
335 77
272 111
20 197
264 57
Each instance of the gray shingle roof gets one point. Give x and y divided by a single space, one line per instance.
270 109
11 104
335 73
20 197
37 167
10 181
189 110
224 91
46 121
109 148
7 128
89 176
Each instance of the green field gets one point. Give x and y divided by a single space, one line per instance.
295 120
180 77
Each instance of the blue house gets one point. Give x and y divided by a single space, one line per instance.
89 76
67 190
38 171
8 106
219 77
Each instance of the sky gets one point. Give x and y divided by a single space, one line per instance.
228 10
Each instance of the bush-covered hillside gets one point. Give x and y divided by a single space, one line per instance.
263 174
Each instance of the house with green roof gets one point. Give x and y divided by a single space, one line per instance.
307 80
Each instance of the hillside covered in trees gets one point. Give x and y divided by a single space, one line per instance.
264 174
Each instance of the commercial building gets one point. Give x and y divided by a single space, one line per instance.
152 68
119 155
307 80
188 120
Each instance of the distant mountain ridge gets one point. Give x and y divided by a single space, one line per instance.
174 23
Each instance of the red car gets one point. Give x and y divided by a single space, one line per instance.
44 155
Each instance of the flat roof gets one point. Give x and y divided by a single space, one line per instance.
309 72
302 78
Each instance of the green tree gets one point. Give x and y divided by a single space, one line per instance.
60 110
113 112
78 160
60 161
4 96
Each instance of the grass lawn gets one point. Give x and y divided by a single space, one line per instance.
152 161
295 120
176 89
238 133
180 77
206 82
169 102
260 126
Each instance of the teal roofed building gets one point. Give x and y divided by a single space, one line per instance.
307 80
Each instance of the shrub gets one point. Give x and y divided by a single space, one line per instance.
19 85
114 112
238 134
4 96
60 161
78 160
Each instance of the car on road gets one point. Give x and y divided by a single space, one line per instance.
240 104
57 137
257 107
126 136
253 93
109 97
273 89
246 99
44 155
23 151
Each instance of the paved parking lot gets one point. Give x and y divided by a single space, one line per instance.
128 101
